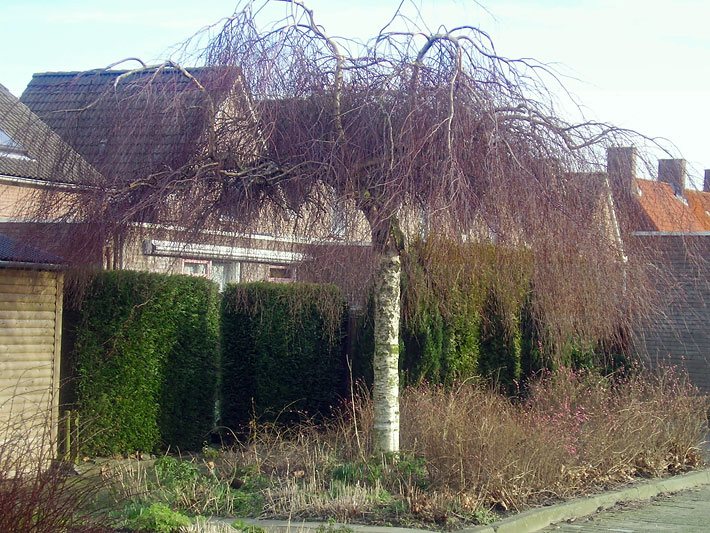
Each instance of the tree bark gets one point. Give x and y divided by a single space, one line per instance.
386 356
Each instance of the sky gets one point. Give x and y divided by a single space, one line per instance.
639 64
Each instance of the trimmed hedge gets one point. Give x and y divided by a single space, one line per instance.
147 359
282 351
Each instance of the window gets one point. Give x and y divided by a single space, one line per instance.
195 267
339 222
10 148
224 272
280 274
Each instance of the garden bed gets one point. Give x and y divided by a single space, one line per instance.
469 456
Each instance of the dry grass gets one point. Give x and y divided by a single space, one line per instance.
469 454
468 450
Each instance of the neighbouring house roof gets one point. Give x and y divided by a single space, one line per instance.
699 202
30 149
669 212
12 251
129 124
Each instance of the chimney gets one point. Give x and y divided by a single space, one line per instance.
706 181
672 171
621 167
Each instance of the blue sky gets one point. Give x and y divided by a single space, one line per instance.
639 64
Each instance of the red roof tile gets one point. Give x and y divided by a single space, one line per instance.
667 211
699 202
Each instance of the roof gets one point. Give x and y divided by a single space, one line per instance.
670 212
16 252
699 202
30 149
129 124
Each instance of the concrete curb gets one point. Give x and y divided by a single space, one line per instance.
527 521
539 518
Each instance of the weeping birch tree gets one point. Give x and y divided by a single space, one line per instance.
414 133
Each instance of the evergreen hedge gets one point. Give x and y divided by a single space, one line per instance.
282 351
147 358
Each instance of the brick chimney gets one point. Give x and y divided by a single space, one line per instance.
672 171
621 167
706 181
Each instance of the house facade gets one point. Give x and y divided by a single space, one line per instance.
82 107
671 222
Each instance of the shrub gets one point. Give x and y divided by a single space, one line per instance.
156 517
282 350
500 344
147 359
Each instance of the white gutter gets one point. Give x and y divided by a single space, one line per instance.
43 184
213 251
671 233
291 239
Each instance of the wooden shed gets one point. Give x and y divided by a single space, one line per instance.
31 283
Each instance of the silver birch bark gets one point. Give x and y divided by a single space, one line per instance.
386 356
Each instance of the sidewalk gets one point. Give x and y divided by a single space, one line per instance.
687 511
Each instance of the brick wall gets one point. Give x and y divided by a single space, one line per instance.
680 332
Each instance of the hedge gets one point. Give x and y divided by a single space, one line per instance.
147 359
282 351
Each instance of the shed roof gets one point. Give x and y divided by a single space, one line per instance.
12 251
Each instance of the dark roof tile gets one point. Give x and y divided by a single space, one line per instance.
18 252
126 123
41 153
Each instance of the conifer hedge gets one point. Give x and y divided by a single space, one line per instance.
147 358
282 351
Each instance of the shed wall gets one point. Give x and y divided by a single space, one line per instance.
30 329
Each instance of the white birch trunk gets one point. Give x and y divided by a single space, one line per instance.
386 356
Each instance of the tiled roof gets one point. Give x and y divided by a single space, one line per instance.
666 210
17 252
699 202
129 124
38 152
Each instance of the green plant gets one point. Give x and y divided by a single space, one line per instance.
282 351
175 473
484 516
156 517
146 357
331 526
241 525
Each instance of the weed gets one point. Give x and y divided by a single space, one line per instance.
333 527
241 525
37 493
156 517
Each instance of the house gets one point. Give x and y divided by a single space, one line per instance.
670 222
96 112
